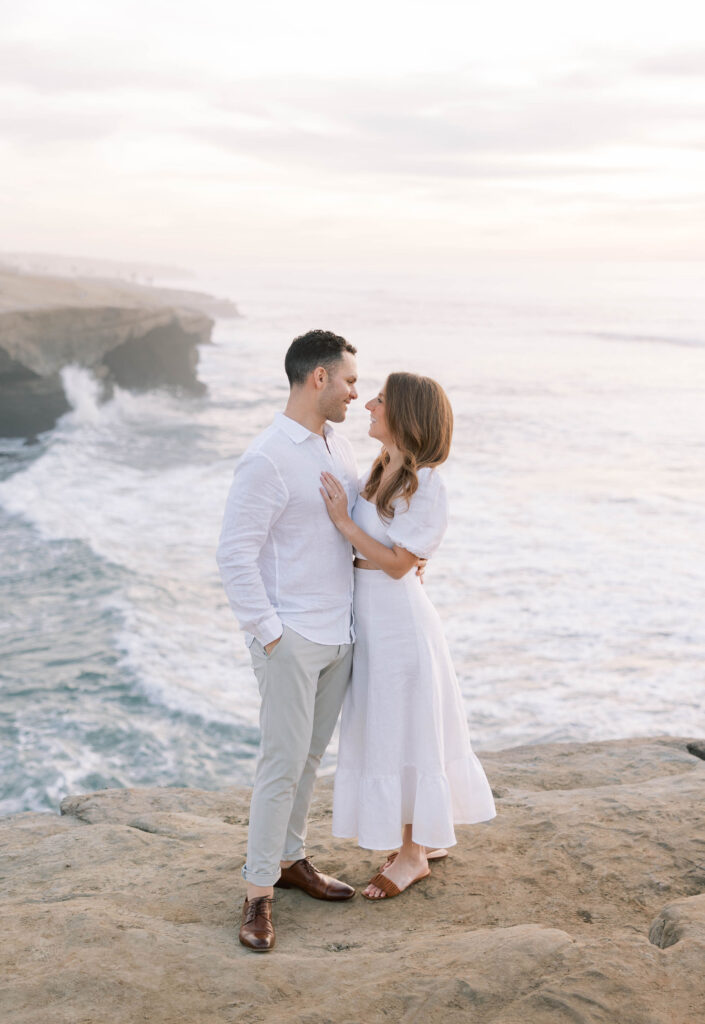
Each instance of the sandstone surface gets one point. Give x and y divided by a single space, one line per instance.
127 334
582 903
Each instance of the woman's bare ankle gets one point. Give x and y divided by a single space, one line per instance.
413 854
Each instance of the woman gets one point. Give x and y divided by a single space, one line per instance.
406 771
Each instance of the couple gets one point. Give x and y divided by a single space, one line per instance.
295 519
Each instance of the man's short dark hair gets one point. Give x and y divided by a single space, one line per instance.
316 348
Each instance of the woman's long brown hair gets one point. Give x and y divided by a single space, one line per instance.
420 419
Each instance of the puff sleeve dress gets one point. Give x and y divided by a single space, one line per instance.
404 755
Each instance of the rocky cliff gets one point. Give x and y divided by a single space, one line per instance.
130 335
582 903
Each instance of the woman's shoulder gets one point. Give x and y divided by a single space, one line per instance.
431 482
420 524
429 498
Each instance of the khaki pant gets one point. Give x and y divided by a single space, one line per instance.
302 685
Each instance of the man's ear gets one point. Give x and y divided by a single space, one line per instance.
320 377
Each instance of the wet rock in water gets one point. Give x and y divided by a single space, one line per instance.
165 356
30 404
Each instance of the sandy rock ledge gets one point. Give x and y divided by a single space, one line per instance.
584 901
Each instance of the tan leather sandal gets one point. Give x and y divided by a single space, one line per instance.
389 887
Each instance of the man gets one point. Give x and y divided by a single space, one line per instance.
288 575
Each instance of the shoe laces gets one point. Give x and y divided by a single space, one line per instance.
256 907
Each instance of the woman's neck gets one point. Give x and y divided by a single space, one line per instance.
396 459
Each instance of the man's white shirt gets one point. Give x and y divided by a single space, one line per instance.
281 559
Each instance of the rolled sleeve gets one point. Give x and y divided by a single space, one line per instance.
257 498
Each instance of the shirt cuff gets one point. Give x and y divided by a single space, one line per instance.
271 629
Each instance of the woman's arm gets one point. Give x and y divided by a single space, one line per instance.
396 562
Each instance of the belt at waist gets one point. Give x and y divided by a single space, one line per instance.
361 563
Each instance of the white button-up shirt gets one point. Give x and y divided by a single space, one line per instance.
281 560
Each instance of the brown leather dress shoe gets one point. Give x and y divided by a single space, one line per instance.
257 930
303 875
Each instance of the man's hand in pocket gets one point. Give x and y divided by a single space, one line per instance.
268 648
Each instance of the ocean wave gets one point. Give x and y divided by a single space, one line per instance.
106 479
186 655
655 339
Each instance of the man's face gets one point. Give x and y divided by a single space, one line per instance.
339 390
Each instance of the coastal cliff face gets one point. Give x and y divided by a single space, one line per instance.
126 334
584 901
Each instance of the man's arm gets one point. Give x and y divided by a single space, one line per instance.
257 497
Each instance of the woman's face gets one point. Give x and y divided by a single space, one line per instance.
378 421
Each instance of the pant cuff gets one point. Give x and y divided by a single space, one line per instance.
298 853
262 878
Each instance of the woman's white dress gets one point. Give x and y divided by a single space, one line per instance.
404 754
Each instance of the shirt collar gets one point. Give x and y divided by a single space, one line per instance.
297 431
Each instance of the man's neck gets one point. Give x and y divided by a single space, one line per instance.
303 414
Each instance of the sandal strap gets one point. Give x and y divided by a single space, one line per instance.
385 884
390 859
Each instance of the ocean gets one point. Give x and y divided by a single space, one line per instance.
571 581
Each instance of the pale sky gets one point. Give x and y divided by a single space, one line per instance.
390 134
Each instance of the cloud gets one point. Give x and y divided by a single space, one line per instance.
685 63
57 69
38 128
443 125
418 127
